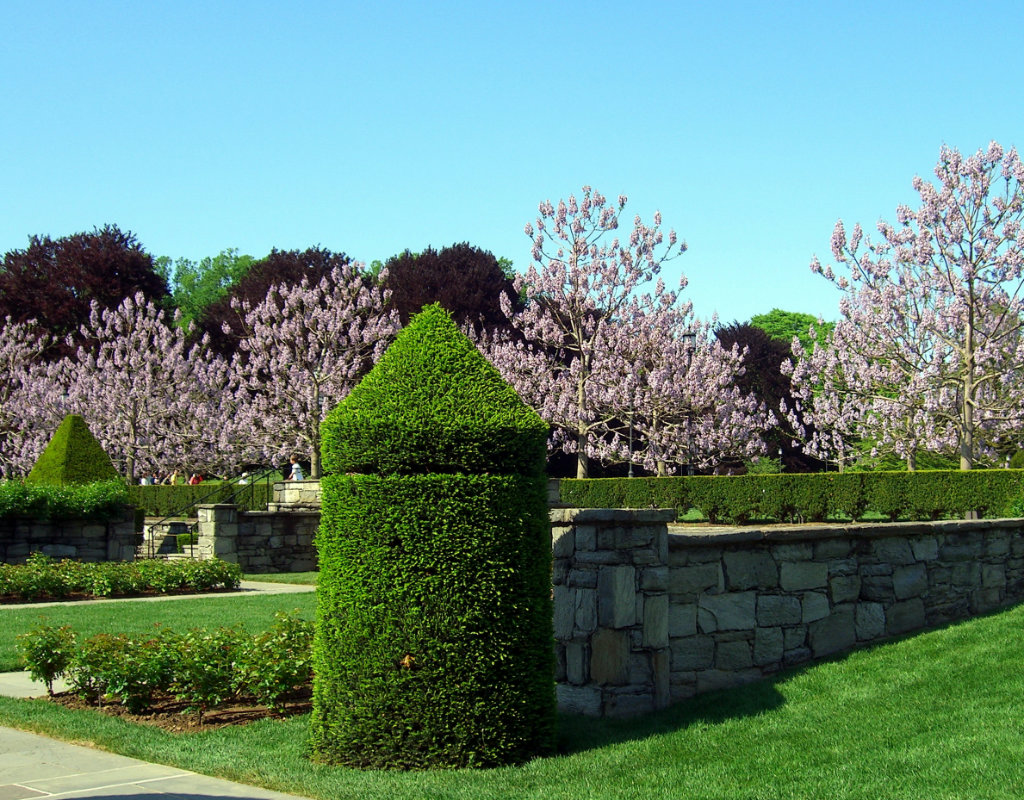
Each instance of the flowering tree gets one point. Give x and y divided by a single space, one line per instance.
927 353
303 349
150 399
21 349
580 283
674 385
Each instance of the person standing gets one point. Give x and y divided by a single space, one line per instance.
296 473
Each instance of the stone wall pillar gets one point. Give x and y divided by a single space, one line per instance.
611 610
218 532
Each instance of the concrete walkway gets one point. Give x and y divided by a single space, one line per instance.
33 766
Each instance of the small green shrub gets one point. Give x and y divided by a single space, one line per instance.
47 651
73 456
204 668
92 501
275 664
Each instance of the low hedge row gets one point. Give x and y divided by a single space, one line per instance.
43 578
200 668
99 501
811 497
164 501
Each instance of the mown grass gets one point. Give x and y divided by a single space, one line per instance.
304 578
933 716
253 613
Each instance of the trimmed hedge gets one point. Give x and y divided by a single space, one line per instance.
810 497
434 640
162 501
73 456
94 501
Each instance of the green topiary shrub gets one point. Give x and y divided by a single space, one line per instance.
434 641
73 456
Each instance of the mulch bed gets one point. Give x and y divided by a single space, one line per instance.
169 714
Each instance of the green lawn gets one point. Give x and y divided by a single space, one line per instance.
283 577
253 613
933 716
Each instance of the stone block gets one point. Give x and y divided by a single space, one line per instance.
983 600
616 596
798 655
586 538
843 566
778 610
609 657
869 621
828 549
795 576
582 578
768 646
814 606
654 579
909 581
733 656
750 569
726 612
586 610
661 677
965 574
656 621
925 549
692 653
993 576
795 551
905 617
895 550
562 543
833 634
627 706
565 612
877 588
585 700
692 580
844 588
997 544
682 619
577 658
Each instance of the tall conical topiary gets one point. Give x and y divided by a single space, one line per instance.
434 643
73 456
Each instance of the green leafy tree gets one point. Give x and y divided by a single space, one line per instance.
194 286
784 325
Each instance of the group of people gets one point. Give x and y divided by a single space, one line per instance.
177 478
170 479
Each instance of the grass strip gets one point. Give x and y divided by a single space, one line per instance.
935 715
303 578
254 614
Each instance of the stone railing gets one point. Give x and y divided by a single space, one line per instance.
81 540
645 617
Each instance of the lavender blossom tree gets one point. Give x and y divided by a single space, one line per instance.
579 284
303 349
22 346
927 353
151 400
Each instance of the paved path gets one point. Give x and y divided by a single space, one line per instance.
33 766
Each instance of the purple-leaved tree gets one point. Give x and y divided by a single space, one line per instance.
927 354
302 350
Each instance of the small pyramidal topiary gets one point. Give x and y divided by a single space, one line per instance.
434 642
73 456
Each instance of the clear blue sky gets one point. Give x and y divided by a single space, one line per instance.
372 127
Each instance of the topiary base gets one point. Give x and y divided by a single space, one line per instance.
434 643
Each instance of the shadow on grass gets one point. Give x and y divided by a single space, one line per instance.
578 734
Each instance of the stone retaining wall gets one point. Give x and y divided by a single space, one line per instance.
645 617
81 540
259 541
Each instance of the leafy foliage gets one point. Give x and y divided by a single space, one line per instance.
434 625
783 326
465 280
73 456
55 281
812 497
100 500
